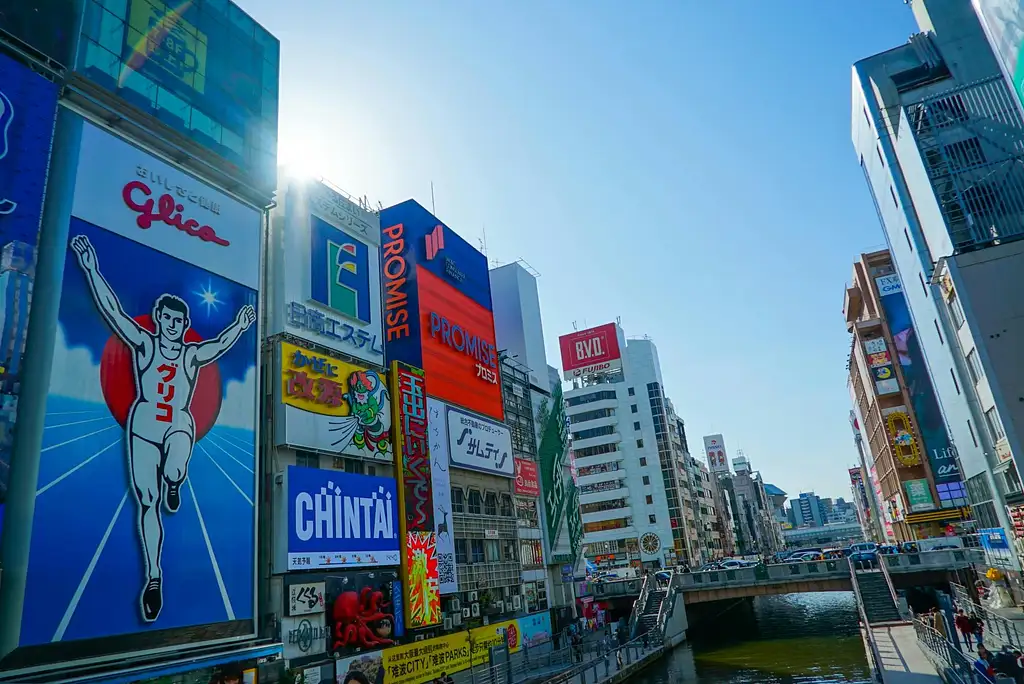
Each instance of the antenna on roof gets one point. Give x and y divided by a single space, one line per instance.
433 208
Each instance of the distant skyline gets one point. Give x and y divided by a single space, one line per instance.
686 166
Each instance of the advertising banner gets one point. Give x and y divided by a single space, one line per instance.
438 308
424 661
340 519
306 599
1003 21
305 636
333 406
535 629
204 68
714 447
327 261
919 495
591 351
552 455
147 484
28 106
930 423
366 611
527 478
901 436
415 496
476 443
441 488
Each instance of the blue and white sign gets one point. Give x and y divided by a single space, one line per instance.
478 443
888 285
338 519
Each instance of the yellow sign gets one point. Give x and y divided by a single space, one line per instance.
315 382
424 661
904 444
158 35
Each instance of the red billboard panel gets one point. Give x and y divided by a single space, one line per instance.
591 351
458 348
527 478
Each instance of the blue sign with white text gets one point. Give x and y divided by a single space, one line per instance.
28 106
338 519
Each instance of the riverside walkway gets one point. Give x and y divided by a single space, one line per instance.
901 658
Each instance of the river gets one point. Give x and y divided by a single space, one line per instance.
805 638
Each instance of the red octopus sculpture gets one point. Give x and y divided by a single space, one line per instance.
359 620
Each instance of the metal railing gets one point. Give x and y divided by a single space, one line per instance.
869 636
639 605
667 607
883 566
609 663
533 663
999 631
949 661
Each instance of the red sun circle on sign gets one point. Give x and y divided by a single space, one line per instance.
512 634
117 380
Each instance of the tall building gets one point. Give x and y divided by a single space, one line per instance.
709 523
752 510
807 511
868 508
629 486
939 135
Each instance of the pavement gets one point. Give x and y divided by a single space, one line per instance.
903 661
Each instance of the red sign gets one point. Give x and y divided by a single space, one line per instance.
591 351
412 452
527 478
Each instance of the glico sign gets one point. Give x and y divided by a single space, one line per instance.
437 308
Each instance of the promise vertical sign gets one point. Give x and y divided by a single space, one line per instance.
415 497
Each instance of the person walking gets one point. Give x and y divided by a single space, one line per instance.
963 625
983 666
978 628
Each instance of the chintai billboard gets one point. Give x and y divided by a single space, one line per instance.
28 105
330 405
325 261
144 527
437 308
415 495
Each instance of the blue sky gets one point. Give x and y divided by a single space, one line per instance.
684 165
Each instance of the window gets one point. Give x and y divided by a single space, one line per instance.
881 159
893 194
974 366
633 409
475 502
643 461
995 425
492 550
866 117
594 432
971 428
490 503
460 551
650 500
924 288
458 500
647 480
956 385
909 243
506 506
476 550
632 391
639 444
956 311
588 398
636 425
596 450
938 332
652 518
306 459
591 415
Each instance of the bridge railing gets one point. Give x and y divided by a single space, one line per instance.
869 636
945 559
608 663
949 661
784 572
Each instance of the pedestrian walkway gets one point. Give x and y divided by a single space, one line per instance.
902 659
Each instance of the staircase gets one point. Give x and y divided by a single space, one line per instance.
879 605
649 615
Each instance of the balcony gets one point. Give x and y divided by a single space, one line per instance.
609 457
480 576
610 514
627 532
613 438
595 478
619 492
590 406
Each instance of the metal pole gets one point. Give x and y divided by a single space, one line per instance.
16 540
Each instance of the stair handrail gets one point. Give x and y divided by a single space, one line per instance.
888 582
876 657
638 606
668 603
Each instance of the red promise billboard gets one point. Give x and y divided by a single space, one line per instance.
590 351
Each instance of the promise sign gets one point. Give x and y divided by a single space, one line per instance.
415 499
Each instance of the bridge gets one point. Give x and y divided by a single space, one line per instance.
793 578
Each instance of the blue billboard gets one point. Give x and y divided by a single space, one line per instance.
144 527
340 520
930 423
206 69
28 108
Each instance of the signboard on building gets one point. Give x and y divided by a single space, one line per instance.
714 447
204 68
527 478
590 352
338 519
154 384
919 495
552 453
477 443
414 474
441 488
438 308
333 406
365 611
1003 21
47 27
304 636
326 257
306 598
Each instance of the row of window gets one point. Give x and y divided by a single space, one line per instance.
592 415
476 502
484 551
594 432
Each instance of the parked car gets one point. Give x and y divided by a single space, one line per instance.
864 552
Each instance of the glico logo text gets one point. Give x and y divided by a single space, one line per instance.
165 210
396 302
456 337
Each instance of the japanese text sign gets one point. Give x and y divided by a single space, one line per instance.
527 478
477 443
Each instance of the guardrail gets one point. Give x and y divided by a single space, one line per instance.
883 568
638 605
876 657
610 663
999 630
954 666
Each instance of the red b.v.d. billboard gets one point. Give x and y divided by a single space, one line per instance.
590 351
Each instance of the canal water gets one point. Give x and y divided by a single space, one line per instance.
805 638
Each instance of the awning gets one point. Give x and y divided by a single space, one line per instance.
962 513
